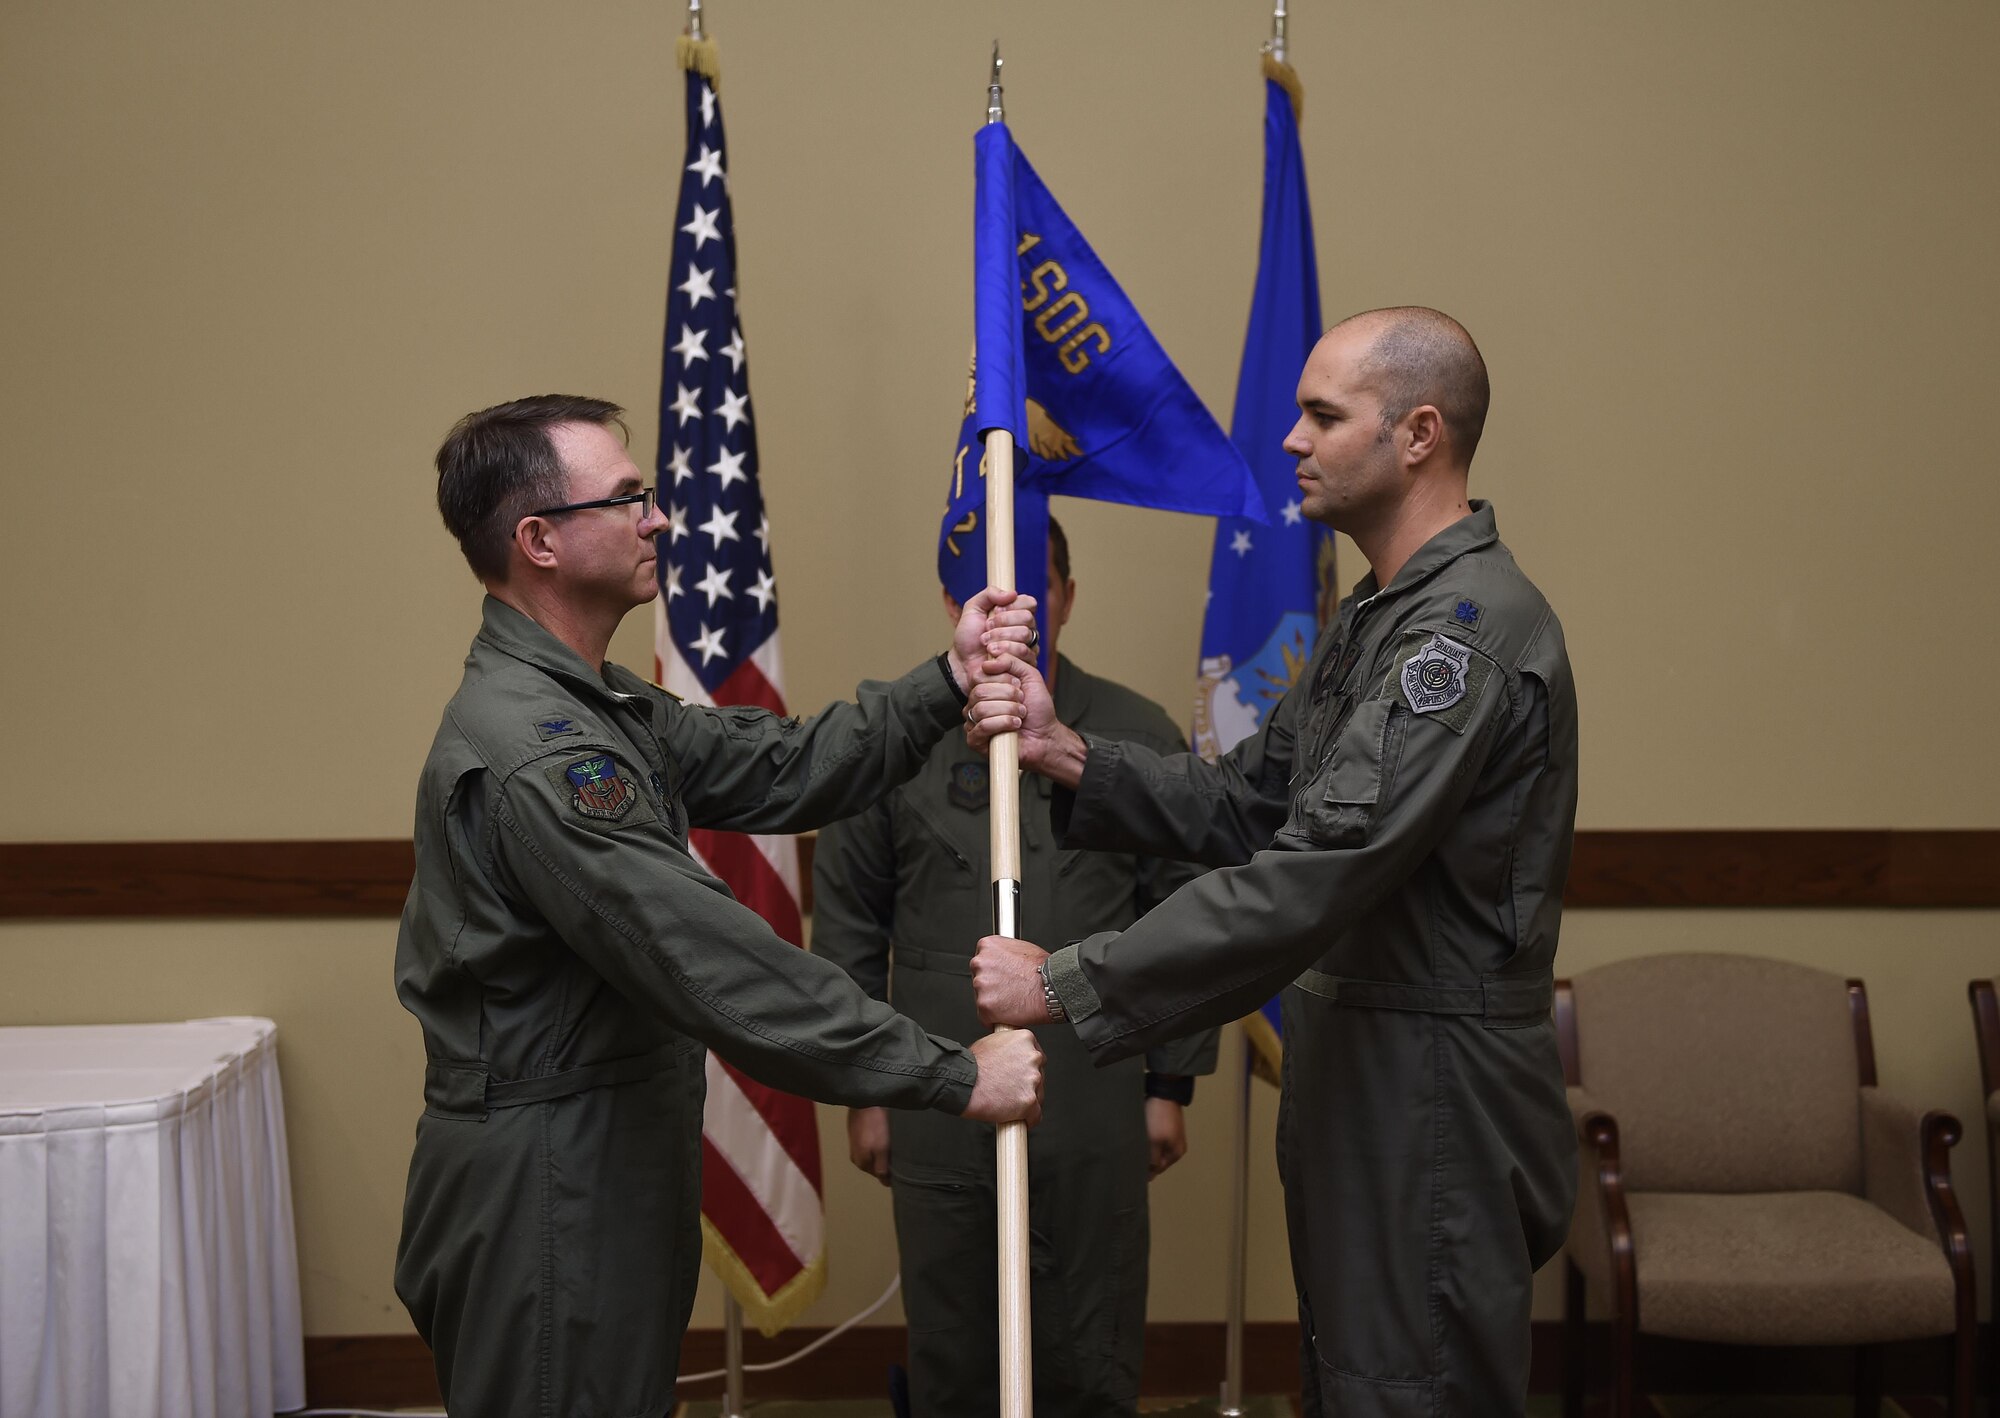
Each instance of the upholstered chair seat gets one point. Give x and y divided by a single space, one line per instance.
1781 1268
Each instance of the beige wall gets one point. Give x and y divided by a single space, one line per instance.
1731 265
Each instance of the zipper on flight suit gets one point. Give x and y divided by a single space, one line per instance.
1329 732
942 840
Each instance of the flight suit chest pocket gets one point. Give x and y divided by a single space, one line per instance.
1337 807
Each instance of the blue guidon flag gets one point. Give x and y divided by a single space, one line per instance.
1269 587
1064 362
716 642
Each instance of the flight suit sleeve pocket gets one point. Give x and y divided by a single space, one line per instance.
1338 809
747 723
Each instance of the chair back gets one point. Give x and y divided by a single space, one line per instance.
1727 1073
1986 1031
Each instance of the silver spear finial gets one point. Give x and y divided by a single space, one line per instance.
996 111
1276 47
694 19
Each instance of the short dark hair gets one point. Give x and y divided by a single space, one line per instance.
1059 549
499 464
1423 356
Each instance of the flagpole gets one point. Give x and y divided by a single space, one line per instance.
1017 1358
733 1313
1231 1405
1239 1180
1239 1242
732 1357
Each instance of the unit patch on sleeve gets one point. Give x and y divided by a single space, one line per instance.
1442 677
596 790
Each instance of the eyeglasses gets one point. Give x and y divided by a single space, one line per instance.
649 496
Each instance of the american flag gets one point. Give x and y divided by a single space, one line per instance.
716 642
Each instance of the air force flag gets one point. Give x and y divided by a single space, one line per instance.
1266 583
1064 361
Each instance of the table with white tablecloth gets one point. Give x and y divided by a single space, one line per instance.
148 1267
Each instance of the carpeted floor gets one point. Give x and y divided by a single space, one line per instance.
1738 1406
1268 1407
1542 1406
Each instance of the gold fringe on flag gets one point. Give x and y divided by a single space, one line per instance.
1267 1051
700 56
770 1313
1286 78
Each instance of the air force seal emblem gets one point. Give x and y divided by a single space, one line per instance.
598 790
1434 679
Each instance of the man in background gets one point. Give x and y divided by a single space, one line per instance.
900 894
569 959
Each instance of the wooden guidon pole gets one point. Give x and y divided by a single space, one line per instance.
1003 772
1017 1360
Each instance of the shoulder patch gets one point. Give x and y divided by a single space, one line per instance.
1439 676
546 729
1467 613
597 790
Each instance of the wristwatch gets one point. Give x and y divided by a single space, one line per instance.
1049 995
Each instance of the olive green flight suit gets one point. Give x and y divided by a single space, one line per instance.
1394 843
568 961
909 881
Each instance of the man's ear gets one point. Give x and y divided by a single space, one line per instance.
952 609
1426 431
1069 600
532 540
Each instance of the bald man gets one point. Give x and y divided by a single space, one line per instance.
1392 846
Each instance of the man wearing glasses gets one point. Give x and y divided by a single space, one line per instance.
569 960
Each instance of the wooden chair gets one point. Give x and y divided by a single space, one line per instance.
1744 1180
1986 1028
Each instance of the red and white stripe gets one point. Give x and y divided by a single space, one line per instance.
762 1198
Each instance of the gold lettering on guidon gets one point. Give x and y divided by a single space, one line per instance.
1045 281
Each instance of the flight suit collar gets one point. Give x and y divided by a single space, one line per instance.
1476 529
520 636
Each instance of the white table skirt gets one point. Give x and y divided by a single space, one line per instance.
148 1267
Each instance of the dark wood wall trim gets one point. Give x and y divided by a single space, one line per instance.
1623 870
1786 868
1183 1360
270 879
